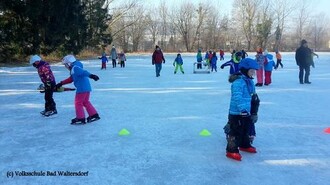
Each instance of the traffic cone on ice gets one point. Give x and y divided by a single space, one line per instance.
124 132
205 133
327 130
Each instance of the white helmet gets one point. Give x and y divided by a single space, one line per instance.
68 59
34 59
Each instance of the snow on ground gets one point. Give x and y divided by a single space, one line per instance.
164 117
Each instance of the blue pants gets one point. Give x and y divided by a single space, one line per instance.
158 69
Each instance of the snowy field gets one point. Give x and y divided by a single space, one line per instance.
164 117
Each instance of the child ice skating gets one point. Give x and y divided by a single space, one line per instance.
269 65
233 63
48 80
178 62
79 77
104 61
214 60
122 59
278 59
240 118
199 59
261 59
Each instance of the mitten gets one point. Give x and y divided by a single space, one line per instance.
164 62
59 85
94 77
48 86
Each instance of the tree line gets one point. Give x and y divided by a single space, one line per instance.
57 27
51 27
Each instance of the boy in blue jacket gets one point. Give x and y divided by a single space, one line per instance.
269 65
233 63
241 114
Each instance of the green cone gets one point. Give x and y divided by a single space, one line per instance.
123 132
205 133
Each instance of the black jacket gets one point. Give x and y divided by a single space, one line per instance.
303 56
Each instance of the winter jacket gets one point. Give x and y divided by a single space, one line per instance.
104 59
178 60
233 66
199 57
214 60
242 89
269 65
261 59
79 77
303 56
45 73
113 53
157 57
121 57
278 56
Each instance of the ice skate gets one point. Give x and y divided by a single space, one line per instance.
77 121
95 117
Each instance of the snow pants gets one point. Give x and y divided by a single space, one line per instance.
104 65
268 77
238 136
260 76
179 66
82 101
49 101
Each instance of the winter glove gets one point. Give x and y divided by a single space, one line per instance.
94 77
226 128
153 63
164 62
254 118
48 86
59 85
222 67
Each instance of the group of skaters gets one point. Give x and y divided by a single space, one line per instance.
244 103
80 78
114 56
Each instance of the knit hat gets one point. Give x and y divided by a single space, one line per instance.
68 59
248 63
302 42
34 59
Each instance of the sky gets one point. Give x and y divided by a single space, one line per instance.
316 5
164 116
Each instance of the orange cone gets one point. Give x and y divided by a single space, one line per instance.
327 130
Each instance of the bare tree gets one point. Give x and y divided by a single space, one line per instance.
303 18
163 12
183 19
282 10
318 31
245 14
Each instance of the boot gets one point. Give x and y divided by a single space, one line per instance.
235 156
250 149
